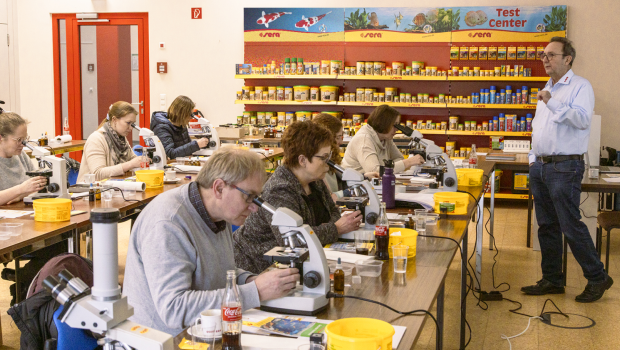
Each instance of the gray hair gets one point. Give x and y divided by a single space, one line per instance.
232 165
567 49
9 121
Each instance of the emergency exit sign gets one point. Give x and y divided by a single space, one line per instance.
196 12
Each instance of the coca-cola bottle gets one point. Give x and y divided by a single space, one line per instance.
231 314
65 127
382 235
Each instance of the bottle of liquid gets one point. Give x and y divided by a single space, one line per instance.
388 185
98 191
382 235
410 221
272 67
65 127
91 193
339 278
473 157
231 314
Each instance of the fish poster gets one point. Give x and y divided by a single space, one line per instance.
293 24
509 23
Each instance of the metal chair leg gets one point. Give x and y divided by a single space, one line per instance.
607 252
565 262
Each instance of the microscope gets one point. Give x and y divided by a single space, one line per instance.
309 298
209 132
103 310
56 174
154 148
437 162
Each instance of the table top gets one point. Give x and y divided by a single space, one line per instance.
72 146
599 185
521 160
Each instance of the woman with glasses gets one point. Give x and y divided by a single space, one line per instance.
297 185
373 144
334 125
171 128
14 162
107 152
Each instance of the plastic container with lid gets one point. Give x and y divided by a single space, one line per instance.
469 177
359 334
301 92
315 94
455 202
151 178
325 67
334 67
329 93
403 236
369 267
288 93
55 209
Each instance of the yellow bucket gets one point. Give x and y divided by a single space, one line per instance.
455 201
359 334
469 177
152 178
329 93
52 209
407 237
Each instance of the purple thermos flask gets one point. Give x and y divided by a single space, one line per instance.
388 185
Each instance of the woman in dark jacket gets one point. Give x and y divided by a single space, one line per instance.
297 185
171 128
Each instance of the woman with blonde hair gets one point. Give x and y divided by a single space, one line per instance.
171 128
107 152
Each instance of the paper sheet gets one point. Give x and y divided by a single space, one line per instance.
612 179
424 199
127 185
13 214
345 257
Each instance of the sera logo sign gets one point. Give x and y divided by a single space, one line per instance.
196 12
370 35
269 35
480 35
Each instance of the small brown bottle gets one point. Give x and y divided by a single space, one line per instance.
410 221
339 278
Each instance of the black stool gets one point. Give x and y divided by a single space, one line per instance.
607 221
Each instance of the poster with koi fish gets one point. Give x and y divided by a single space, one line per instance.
293 24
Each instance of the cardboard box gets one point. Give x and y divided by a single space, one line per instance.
232 132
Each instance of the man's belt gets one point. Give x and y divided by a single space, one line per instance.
559 158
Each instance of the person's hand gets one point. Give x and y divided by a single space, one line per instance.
203 142
33 184
370 175
532 163
134 163
276 283
415 160
349 222
544 96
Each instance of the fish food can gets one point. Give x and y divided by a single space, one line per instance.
390 92
302 93
288 93
369 68
368 94
408 71
360 94
442 98
280 93
314 94
281 118
425 98
271 93
381 97
260 117
416 66
246 117
397 68
454 120
347 70
325 67
290 118
407 97
329 93
334 67
239 120
360 67
375 97
444 125
377 67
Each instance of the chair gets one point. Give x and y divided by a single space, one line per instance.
607 221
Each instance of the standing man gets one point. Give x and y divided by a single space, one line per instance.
560 134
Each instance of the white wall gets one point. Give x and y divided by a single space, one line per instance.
201 53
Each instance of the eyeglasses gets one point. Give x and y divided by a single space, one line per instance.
325 158
549 56
21 139
251 197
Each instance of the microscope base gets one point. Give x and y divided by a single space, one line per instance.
203 152
297 302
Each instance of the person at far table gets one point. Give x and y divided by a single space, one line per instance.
373 144
181 246
107 152
297 185
171 128
331 179
14 162
560 134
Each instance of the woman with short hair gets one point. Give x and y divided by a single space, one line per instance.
373 144
297 185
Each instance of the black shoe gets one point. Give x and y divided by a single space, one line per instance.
542 287
594 292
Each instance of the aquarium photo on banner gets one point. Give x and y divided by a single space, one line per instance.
293 24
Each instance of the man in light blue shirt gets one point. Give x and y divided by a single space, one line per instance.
560 133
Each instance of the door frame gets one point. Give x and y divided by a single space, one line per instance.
74 78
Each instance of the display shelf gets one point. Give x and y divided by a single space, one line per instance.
507 196
489 133
385 77
280 76
285 103
392 104
491 106
453 78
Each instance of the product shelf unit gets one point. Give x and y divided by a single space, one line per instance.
507 196
454 78
411 105
491 106
285 103
489 133
281 76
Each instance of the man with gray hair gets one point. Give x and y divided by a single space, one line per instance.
181 246
560 134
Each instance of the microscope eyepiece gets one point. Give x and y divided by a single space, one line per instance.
405 130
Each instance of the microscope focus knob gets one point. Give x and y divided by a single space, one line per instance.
156 159
312 279
212 144
449 181
53 187
371 218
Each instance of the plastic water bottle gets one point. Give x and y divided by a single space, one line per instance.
473 157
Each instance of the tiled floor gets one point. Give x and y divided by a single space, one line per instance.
516 265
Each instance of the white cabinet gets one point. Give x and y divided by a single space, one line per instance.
4 12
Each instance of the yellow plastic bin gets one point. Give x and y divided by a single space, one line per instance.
455 201
407 237
469 177
152 178
359 334
52 209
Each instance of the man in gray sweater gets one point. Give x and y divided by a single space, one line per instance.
181 246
